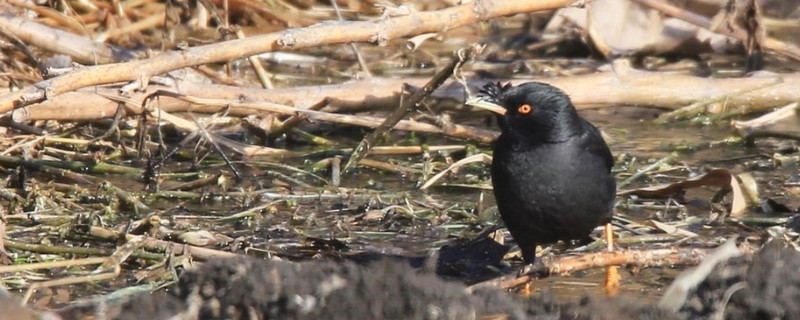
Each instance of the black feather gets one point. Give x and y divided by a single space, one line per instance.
492 91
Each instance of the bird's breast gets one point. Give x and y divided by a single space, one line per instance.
553 188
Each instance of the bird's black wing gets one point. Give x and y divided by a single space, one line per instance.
596 145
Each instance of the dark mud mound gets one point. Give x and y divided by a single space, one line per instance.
147 306
546 307
244 288
13 309
764 286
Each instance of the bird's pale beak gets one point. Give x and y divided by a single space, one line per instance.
485 105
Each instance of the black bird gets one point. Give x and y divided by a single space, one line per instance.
551 169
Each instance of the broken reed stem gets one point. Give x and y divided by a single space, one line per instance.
460 57
641 172
215 144
42 166
353 46
386 166
156 245
696 108
773 134
343 194
50 220
255 211
10 196
758 221
51 249
336 171
195 184
315 139
263 75
295 120
69 281
52 264
77 166
128 199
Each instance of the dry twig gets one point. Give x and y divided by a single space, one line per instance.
460 57
569 264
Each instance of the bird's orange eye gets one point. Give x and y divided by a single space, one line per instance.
524 109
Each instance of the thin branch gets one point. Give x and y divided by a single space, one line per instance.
460 57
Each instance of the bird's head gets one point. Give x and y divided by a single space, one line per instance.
532 110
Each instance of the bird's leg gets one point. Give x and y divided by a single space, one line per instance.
527 263
612 274
528 254
527 288
528 249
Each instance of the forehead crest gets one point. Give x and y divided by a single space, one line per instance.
493 91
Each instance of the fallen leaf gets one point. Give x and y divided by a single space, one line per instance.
670 229
619 27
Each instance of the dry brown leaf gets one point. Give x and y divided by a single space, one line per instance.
625 27
721 178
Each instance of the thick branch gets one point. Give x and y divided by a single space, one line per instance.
637 258
375 31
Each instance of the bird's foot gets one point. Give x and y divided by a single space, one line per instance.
527 274
525 270
611 283
527 290
536 269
